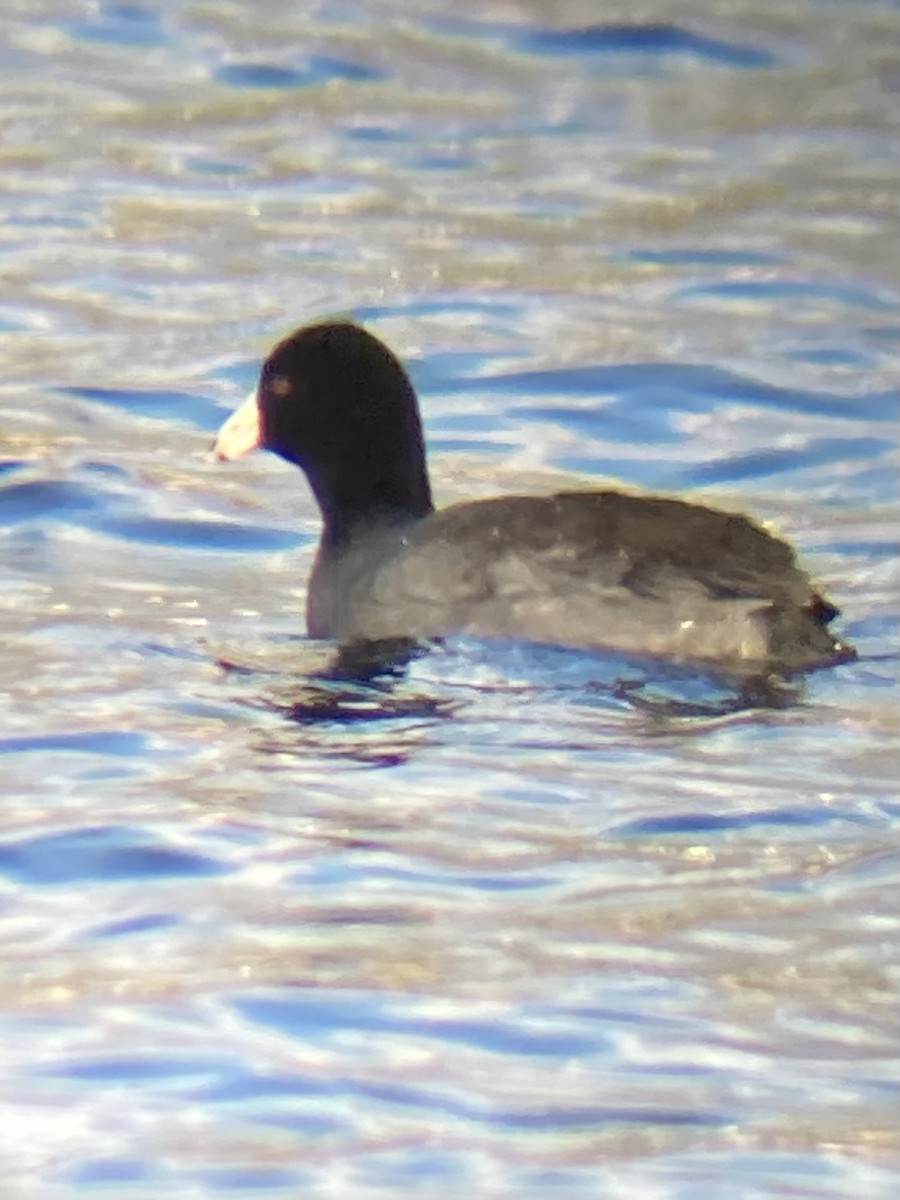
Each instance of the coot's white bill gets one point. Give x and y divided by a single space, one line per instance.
241 434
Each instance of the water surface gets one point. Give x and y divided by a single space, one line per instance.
520 921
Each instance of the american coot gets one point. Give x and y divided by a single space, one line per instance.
640 574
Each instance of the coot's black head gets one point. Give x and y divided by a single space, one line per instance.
335 401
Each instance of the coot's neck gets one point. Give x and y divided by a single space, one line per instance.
352 500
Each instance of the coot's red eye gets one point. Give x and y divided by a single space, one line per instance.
279 386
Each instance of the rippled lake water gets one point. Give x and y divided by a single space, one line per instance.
500 927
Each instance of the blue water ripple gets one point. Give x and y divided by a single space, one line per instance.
170 406
319 69
255 1180
215 167
811 816
344 872
135 925
613 422
649 40
231 537
437 306
376 133
105 1172
113 742
815 292
471 446
120 25
444 162
101 854
684 387
137 1068
402 1169
68 502
329 1013
52 220
656 39
774 461
699 256
827 356
44 497
261 75
253 1092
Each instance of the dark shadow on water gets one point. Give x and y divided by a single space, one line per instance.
362 686
362 683
371 662
762 692
375 682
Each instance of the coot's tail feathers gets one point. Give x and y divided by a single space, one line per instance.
823 610
800 638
